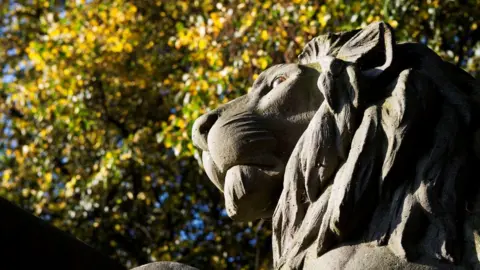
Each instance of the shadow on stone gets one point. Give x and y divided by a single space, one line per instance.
27 242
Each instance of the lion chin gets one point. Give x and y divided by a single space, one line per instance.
363 154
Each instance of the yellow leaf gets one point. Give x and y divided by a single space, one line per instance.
118 47
393 23
90 36
62 205
149 45
181 123
245 56
55 32
202 44
203 85
114 12
133 9
6 175
70 184
190 147
369 19
19 157
141 196
125 156
264 35
262 63
48 177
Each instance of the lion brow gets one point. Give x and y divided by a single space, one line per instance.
258 82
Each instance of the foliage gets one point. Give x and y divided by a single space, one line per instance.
98 99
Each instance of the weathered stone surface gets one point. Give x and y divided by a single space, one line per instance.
165 266
365 155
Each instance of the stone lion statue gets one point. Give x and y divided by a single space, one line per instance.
363 153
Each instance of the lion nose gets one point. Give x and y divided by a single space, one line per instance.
201 127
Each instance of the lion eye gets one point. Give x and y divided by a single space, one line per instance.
278 81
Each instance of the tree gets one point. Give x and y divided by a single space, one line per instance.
99 98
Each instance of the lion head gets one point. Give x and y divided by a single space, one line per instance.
247 142
364 141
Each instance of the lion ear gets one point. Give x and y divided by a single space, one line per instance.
371 49
323 45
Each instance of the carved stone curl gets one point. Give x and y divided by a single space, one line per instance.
364 154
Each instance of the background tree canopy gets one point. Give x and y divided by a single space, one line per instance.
98 99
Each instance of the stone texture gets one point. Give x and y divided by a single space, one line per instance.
364 155
165 266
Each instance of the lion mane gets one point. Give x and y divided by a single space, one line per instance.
389 157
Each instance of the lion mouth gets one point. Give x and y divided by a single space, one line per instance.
241 160
251 190
217 176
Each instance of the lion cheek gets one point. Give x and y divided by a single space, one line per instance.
252 192
212 171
